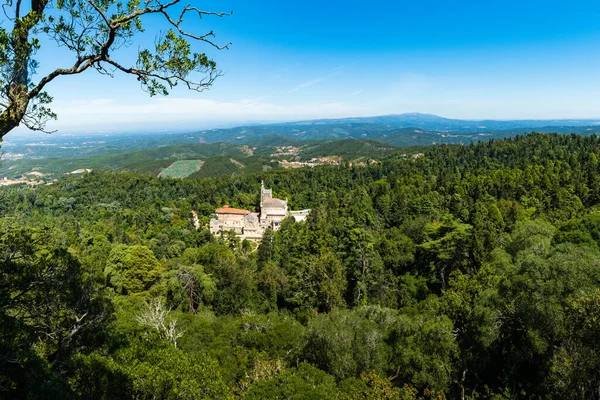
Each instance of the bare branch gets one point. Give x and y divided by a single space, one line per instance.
171 80
202 12
18 9
36 125
203 38
155 315
99 11
141 11
6 5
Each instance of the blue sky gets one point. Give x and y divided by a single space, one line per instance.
294 60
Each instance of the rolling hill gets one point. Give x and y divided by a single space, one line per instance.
403 129
200 159
252 148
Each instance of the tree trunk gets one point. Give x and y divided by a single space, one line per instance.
462 385
16 90
364 276
12 116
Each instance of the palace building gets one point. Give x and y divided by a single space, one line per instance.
250 225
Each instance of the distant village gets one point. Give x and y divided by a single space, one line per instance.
314 162
27 181
294 153
37 178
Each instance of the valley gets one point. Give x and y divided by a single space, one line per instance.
252 149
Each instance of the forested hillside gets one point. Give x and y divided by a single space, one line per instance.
410 129
471 272
211 159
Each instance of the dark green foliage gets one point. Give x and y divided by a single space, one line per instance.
473 270
318 283
50 308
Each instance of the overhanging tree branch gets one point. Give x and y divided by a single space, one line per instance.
81 65
93 29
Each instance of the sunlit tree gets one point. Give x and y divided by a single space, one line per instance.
92 30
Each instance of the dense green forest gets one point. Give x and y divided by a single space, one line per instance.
472 272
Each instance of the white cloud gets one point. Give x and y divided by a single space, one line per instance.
310 83
334 72
252 100
101 102
173 111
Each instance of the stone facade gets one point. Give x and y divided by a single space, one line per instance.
250 225
272 210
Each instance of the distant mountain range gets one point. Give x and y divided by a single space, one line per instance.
430 121
248 149
401 130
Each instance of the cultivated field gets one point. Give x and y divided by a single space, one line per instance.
181 169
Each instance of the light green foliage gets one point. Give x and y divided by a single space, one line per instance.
172 54
580 230
535 236
305 382
280 337
174 375
263 370
181 169
95 254
447 246
132 269
371 386
147 372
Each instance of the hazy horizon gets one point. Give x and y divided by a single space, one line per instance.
336 59
190 127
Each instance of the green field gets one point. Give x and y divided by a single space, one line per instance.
181 169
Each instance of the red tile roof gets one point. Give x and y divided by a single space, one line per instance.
229 210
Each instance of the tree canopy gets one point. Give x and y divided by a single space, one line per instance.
472 272
93 31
